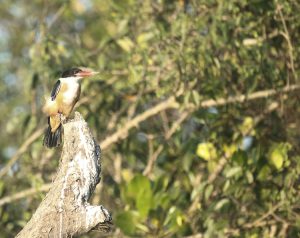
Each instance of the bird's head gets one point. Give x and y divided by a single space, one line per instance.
78 73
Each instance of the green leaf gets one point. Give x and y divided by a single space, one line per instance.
127 222
240 157
212 165
126 44
264 172
196 97
207 151
1 187
223 202
208 190
233 171
278 153
226 185
140 190
276 158
249 177
247 126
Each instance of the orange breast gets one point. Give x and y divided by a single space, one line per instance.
67 98
64 102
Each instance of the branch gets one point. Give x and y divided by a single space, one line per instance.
23 148
286 35
249 97
122 133
261 219
147 171
24 193
65 211
171 103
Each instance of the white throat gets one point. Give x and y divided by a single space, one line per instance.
73 79
73 87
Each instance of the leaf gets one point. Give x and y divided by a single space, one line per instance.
277 158
247 127
196 97
278 154
143 39
221 203
140 190
208 190
198 190
127 222
233 171
226 185
240 157
1 187
229 150
207 151
249 177
126 44
264 172
127 175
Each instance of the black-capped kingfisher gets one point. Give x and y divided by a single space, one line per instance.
59 105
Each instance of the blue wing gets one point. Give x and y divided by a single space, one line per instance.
55 90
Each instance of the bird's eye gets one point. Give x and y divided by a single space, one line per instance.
70 72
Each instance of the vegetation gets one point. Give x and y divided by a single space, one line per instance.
201 97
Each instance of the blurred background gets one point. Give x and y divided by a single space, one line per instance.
201 96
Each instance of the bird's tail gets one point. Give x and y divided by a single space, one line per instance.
52 139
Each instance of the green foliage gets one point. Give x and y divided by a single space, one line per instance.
278 154
227 170
139 192
207 151
127 221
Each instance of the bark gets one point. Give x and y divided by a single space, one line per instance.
65 211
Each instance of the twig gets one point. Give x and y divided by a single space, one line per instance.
24 193
250 97
222 162
56 16
168 135
34 136
286 35
284 230
123 131
258 221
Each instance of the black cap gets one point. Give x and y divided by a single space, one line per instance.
70 72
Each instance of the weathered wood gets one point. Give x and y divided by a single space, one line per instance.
65 211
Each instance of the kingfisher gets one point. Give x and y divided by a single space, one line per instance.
59 105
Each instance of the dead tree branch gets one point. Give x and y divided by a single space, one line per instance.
65 211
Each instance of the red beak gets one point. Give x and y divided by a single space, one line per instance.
86 73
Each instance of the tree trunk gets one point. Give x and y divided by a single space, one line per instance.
65 211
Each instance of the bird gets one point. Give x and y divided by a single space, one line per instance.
59 105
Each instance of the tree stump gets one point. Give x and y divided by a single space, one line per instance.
65 211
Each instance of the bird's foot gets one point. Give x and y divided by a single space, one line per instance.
63 118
